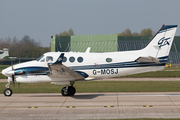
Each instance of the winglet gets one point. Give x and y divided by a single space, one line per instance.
60 59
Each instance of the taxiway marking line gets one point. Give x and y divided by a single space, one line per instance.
91 106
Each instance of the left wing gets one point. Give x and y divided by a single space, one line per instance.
60 71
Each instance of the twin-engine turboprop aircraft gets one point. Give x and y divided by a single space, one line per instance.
64 68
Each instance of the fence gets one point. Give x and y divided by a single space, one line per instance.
16 61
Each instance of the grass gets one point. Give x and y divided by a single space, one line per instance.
173 71
155 74
100 86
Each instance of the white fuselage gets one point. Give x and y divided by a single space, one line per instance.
96 65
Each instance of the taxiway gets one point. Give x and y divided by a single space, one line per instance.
91 106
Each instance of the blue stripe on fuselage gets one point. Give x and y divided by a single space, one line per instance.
45 70
34 69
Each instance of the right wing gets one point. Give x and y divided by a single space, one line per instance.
149 59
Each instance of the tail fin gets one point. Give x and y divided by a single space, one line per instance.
160 44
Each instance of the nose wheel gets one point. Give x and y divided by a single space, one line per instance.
68 91
8 92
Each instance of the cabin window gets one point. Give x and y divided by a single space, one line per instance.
64 59
108 60
80 59
71 59
49 59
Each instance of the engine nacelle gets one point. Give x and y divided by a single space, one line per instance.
15 72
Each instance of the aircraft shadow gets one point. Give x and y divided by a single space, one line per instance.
85 96
89 96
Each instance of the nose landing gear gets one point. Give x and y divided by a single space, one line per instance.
8 92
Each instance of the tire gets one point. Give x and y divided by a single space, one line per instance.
71 90
8 92
63 92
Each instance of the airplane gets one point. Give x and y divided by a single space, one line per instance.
65 68
4 53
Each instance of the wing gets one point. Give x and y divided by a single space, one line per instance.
147 60
63 73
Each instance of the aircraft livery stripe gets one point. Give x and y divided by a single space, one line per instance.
115 66
162 60
44 70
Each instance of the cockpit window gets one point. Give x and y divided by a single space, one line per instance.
49 59
42 60
40 57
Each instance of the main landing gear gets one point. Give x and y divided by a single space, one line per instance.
68 91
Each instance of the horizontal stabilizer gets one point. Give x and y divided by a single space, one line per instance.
147 60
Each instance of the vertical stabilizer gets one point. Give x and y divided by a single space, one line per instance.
160 44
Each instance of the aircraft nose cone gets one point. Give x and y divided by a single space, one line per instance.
7 73
4 72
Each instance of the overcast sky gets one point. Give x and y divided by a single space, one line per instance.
40 19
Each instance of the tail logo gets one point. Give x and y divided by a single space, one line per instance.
163 41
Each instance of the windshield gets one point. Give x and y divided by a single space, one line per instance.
40 57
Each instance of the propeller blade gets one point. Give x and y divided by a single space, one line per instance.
12 65
13 76
13 80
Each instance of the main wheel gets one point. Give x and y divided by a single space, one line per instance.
63 92
71 90
8 92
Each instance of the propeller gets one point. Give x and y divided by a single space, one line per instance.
15 72
13 79
13 76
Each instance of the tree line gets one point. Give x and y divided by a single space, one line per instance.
66 33
127 32
144 32
24 48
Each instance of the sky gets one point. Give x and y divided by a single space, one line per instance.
41 19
